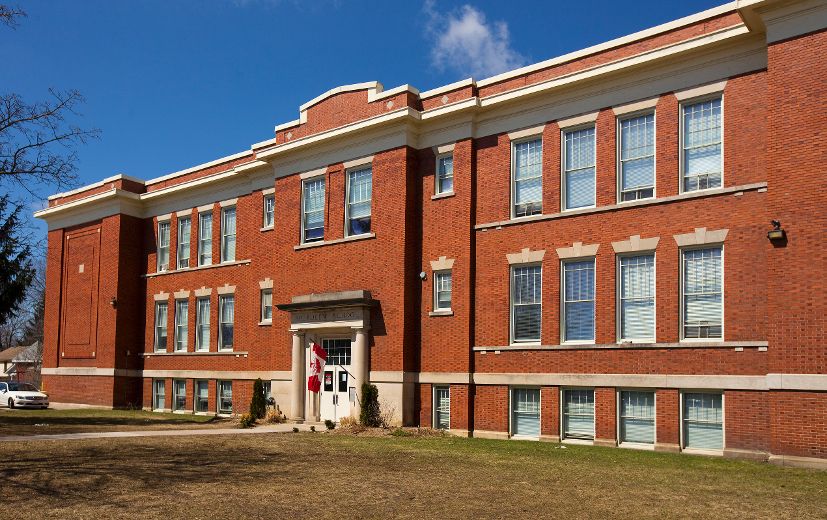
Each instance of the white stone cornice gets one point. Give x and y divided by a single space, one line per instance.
577 250
635 243
701 236
526 256
442 264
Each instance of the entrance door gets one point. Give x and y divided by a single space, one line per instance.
336 380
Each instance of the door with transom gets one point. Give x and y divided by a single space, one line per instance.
336 380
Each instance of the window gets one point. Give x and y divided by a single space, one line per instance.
637 417
442 290
163 246
579 168
445 174
702 158
228 234
525 412
205 238
526 303
181 325
637 297
442 407
184 228
702 296
578 414
160 326
268 390
266 305
202 393
527 165
179 390
226 309
158 394
202 324
338 351
703 421
358 201
578 300
269 209
225 397
637 157
313 210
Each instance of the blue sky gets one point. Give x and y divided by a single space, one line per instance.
172 84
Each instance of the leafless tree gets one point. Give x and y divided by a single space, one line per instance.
9 15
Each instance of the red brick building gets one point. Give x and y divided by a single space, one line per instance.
577 250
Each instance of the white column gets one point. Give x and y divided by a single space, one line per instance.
359 365
298 374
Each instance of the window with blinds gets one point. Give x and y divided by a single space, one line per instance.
527 158
637 157
578 300
226 322
266 305
205 238
269 211
202 324
579 168
525 412
442 407
445 174
578 414
637 298
702 158
163 246
184 227
359 188
202 394
702 293
313 209
161 326
637 417
228 234
158 394
526 303
179 391
181 325
703 421
442 290
225 397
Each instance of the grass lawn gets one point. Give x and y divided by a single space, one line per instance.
319 475
82 420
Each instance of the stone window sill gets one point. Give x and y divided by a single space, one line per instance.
445 195
442 312
759 344
321 243
236 353
198 268
268 228
265 323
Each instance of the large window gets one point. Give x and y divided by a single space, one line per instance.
228 234
225 397
181 325
266 305
445 173
179 390
313 209
184 228
226 329
578 300
702 293
202 394
158 394
163 246
442 407
703 421
526 303
205 238
269 211
578 414
637 298
637 157
161 326
359 188
637 417
202 324
442 291
579 168
527 167
525 412
702 159
338 351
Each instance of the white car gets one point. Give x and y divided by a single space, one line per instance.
22 395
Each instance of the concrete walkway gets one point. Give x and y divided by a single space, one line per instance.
273 428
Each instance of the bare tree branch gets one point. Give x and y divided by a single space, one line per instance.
9 15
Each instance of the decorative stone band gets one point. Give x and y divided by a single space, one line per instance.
703 90
277 375
445 148
203 291
635 244
737 345
526 256
637 106
227 289
161 296
443 264
577 250
578 120
180 295
196 268
526 132
701 237
265 284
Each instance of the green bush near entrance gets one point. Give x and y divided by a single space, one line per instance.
369 415
258 404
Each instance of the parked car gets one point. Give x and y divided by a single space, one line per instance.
23 395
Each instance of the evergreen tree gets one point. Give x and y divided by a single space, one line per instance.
16 269
369 414
258 405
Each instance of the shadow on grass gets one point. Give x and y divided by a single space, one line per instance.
11 419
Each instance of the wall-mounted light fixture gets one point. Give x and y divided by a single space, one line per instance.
113 302
776 234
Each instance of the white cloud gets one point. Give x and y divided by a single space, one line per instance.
464 41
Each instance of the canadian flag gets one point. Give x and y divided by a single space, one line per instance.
318 358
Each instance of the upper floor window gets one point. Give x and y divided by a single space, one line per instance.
228 234
202 324
163 246
161 326
526 303
313 209
527 177
181 325
578 300
205 238
637 297
579 168
445 173
637 157
269 209
702 293
702 162
358 201
184 227
442 291
266 305
226 321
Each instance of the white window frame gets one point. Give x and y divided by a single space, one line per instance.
303 216
177 333
437 177
563 133
222 301
225 237
619 301
514 143
163 385
348 173
682 425
435 405
513 340
204 243
619 153
511 390
575 440
158 327
681 137
682 302
636 445
263 318
195 396
563 339
163 266
218 385
182 261
199 323
436 278
175 385
268 213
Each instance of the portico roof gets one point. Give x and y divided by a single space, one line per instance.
359 297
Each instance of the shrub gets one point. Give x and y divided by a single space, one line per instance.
329 424
312 428
258 404
246 420
399 432
274 417
348 422
387 414
295 430
369 415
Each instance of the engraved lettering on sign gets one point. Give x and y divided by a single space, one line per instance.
80 268
331 315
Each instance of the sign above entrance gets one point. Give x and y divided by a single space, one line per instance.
345 309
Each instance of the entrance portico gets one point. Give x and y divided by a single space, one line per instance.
339 321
